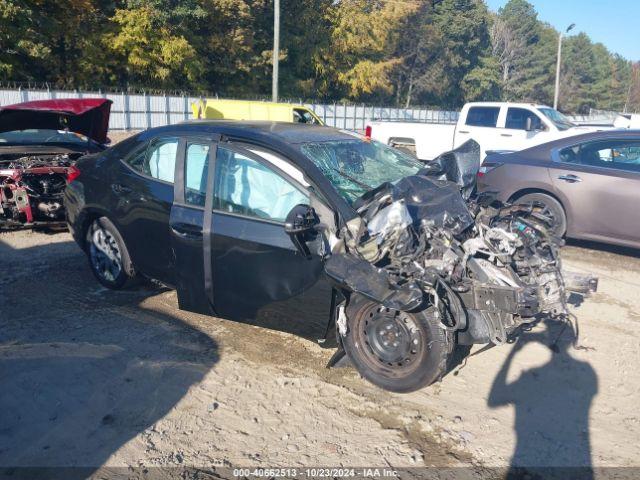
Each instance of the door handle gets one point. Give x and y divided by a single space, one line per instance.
506 135
118 188
186 230
570 178
463 131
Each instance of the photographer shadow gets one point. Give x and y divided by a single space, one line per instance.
552 404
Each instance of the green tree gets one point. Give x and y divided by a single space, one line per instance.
152 49
47 40
465 29
515 33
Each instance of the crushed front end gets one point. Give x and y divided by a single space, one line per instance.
484 268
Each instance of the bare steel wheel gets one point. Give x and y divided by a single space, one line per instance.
108 255
390 338
398 351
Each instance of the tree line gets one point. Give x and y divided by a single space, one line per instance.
438 53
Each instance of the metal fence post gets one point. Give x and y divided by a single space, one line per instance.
344 116
147 108
167 116
126 123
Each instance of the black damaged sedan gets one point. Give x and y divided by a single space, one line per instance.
321 233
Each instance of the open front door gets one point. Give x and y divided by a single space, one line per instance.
188 223
233 256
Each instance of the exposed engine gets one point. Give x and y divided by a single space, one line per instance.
487 268
31 189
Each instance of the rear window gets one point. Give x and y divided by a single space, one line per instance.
483 116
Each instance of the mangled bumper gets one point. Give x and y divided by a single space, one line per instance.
487 268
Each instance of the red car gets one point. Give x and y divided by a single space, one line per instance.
39 144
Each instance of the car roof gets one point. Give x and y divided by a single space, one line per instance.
282 137
586 137
277 132
542 151
506 104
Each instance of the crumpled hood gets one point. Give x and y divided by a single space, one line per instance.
86 116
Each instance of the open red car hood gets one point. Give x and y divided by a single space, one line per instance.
87 116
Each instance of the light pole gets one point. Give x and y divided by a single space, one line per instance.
557 93
276 49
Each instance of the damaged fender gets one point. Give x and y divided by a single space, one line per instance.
427 241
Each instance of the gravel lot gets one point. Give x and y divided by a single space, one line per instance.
91 377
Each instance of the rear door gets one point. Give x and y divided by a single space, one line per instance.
142 189
480 125
250 269
599 183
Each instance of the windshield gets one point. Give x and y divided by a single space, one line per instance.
41 136
557 118
356 166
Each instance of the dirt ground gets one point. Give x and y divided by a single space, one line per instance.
91 377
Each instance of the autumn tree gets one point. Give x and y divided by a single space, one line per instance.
358 61
441 53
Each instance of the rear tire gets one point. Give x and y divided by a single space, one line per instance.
548 206
108 255
397 351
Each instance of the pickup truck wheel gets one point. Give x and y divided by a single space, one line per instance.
397 351
548 206
108 256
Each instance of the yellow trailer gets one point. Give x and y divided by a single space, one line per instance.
253 110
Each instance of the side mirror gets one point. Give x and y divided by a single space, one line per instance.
529 125
300 226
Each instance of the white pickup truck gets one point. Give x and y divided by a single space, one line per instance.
494 125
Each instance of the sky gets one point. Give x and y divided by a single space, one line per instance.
613 23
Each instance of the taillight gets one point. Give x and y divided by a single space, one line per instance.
367 131
486 167
72 173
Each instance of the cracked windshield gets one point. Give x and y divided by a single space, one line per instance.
356 166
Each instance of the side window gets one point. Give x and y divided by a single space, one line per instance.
483 116
160 161
517 119
136 158
247 187
303 116
195 173
619 154
570 154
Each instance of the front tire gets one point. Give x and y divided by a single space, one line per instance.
548 206
397 351
108 255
